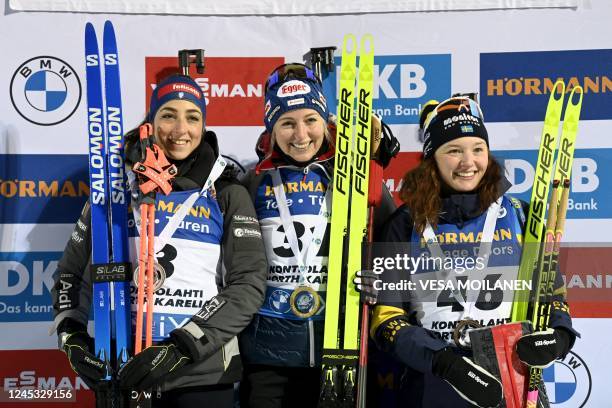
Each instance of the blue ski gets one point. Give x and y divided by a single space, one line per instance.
108 199
120 303
100 234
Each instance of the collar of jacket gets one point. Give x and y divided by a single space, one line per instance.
194 170
458 208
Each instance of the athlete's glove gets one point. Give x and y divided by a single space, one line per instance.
364 284
472 382
389 145
541 349
150 366
78 346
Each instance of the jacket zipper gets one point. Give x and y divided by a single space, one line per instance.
311 342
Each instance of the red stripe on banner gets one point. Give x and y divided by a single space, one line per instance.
233 86
586 271
399 166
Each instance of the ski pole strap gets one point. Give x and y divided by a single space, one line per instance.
484 250
111 272
285 215
178 216
155 171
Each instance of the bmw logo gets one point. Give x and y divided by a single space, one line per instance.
568 382
279 301
45 90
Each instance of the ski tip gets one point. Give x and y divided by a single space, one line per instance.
349 43
367 44
558 91
109 30
576 90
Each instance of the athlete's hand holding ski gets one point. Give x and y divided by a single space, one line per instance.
472 382
364 284
542 348
79 346
151 365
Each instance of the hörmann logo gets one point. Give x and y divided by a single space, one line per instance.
55 195
515 86
544 86
45 90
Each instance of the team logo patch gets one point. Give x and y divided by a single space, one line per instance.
568 382
246 233
292 88
322 98
279 301
467 129
296 101
180 89
45 90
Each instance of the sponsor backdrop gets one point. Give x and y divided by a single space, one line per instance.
511 57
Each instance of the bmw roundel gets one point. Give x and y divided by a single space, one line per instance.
279 301
568 382
45 90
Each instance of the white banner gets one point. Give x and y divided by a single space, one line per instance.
285 7
509 57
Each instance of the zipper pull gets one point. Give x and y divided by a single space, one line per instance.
305 170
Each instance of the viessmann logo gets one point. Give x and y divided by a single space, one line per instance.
45 90
515 86
233 87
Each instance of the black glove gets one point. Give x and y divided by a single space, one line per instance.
78 347
150 366
542 348
389 146
472 382
364 284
